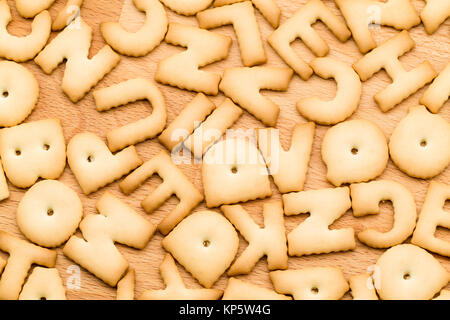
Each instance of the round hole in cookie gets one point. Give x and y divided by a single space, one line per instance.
5 94
234 170
18 152
354 151
50 212
90 158
406 276
314 290
206 243
423 143
46 146
43 298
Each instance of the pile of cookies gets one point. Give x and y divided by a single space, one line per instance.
205 230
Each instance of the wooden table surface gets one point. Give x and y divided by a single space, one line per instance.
83 116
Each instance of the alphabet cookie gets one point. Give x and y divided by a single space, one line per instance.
24 48
287 168
347 97
4 191
143 41
404 83
70 12
362 287
125 287
432 216
354 151
438 91
175 183
205 243
127 92
408 272
320 283
242 85
313 235
434 14
20 93
300 26
30 8
182 69
268 8
94 166
239 290
419 143
242 17
269 241
22 255
175 288
116 222
234 171
33 150
360 14
365 200
49 213
43 284
187 7
81 73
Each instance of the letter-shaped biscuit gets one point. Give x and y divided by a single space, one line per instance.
242 85
22 255
404 83
94 166
408 272
33 150
269 241
175 288
4 191
127 92
187 7
287 168
242 17
432 216
49 213
43 284
116 222
210 131
434 14
205 243
268 8
203 47
300 26
313 235
30 8
239 290
70 12
365 200
438 92
354 151
360 14
142 42
175 183
320 283
81 73
20 91
347 97
362 287
23 48
233 171
125 287
419 145
187 120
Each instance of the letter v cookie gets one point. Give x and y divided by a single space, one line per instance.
143 41
242 17
313 235
127 92
269 241
242 85
175 183
116 222
203 47
94 166
175 288
300 26
288 168
24 48
81 73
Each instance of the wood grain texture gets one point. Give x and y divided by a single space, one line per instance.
84 117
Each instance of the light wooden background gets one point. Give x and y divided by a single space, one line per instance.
83 117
